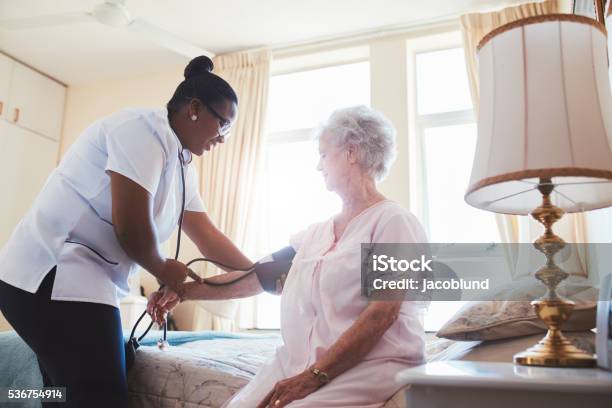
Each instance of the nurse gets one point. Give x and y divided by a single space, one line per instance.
116 196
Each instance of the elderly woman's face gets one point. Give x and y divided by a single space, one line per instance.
334 163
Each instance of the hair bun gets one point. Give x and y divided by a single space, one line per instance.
198 66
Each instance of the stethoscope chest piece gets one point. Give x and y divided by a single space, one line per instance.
163 344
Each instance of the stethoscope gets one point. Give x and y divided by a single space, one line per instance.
162 343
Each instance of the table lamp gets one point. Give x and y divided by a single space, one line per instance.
544 137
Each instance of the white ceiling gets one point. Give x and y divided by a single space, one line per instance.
90 51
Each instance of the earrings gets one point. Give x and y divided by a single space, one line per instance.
194 118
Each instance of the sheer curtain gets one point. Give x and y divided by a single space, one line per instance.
513 228
229 174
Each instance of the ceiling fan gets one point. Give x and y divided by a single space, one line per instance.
112 13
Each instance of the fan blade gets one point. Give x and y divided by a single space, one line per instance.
48 20
167 40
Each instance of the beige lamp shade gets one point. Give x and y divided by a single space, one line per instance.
545 112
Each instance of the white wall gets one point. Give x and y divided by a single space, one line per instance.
86 103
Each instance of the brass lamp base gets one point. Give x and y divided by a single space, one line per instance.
554 350
548 353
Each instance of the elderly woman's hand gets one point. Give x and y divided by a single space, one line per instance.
291 389
161 302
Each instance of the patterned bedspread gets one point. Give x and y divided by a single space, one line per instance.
202 373
200 369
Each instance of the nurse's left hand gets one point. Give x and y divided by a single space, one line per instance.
290 389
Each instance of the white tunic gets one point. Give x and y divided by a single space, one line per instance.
69 225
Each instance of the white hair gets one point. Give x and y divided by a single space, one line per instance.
369 132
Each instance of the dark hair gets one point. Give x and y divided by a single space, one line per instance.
202 84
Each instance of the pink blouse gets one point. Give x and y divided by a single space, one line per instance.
322 298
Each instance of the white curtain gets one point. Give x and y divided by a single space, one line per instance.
229 173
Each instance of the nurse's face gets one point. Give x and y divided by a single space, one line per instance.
212 124
335 163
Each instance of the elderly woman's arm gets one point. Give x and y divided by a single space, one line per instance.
350 348
356 342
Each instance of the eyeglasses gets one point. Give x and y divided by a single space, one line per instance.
224 124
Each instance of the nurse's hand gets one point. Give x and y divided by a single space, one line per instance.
161 302
173 274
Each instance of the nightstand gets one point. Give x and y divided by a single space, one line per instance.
464 384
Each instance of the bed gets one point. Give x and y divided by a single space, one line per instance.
203 369
206 372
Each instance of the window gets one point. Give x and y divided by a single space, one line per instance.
442 84
301 100
447 133
293 194
446 138
449 151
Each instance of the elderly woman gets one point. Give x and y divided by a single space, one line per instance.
340 350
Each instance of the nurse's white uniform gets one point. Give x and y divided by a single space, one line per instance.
322 298
70 223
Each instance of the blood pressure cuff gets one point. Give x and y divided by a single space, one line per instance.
272 270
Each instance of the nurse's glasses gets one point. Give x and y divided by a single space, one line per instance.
224 124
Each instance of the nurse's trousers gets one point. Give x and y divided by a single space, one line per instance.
79 345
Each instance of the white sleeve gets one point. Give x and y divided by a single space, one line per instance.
135 152
193 200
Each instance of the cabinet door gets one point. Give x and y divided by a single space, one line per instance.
36 102
6 71
26 161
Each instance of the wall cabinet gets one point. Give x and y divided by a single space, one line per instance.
31 114
35 102
6 71
30 100
26 161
